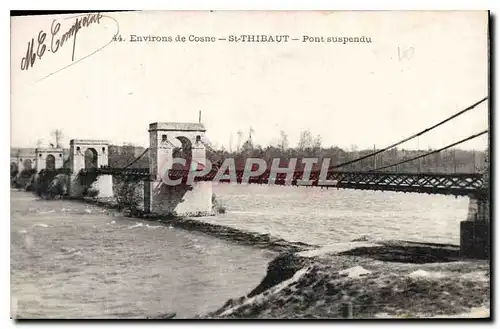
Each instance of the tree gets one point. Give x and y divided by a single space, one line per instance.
283 141
58 135
121 156
127 196
231 142
305 141
13 170
247 146
251 131
240 136
128 150
317 142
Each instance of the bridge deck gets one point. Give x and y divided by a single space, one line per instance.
431 183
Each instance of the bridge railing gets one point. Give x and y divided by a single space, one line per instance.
435 183
446 183
115 171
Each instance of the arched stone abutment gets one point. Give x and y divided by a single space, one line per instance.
52 157
87 154
169 141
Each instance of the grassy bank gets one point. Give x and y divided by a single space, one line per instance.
340 284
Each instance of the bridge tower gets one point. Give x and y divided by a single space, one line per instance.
86 154
49 158
176 140
23 161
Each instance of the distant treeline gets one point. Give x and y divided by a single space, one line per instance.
452 160
121 156
446 161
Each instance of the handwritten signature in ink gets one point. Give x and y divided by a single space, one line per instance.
59 39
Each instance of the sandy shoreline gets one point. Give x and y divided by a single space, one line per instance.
336 285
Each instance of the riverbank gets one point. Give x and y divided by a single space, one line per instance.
392 279
263 241
372 278
361 279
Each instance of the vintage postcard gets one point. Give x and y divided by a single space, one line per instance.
250 165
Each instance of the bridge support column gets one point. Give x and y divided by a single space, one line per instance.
104 184
76 189
147 197
97 156
475 231
167 140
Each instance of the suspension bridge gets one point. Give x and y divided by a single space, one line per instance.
379 179
194 196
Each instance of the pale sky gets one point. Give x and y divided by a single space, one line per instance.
420 68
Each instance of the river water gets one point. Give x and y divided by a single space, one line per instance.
72 260
324 216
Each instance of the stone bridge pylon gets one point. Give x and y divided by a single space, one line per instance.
49 158
86 154
475 232
169 141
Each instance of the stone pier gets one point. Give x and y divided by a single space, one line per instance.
475 233
49 158
169 141
98 149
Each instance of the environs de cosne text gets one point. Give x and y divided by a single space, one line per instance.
244 38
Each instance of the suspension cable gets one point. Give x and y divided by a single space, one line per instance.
432 152
137 159
211 149
411 137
